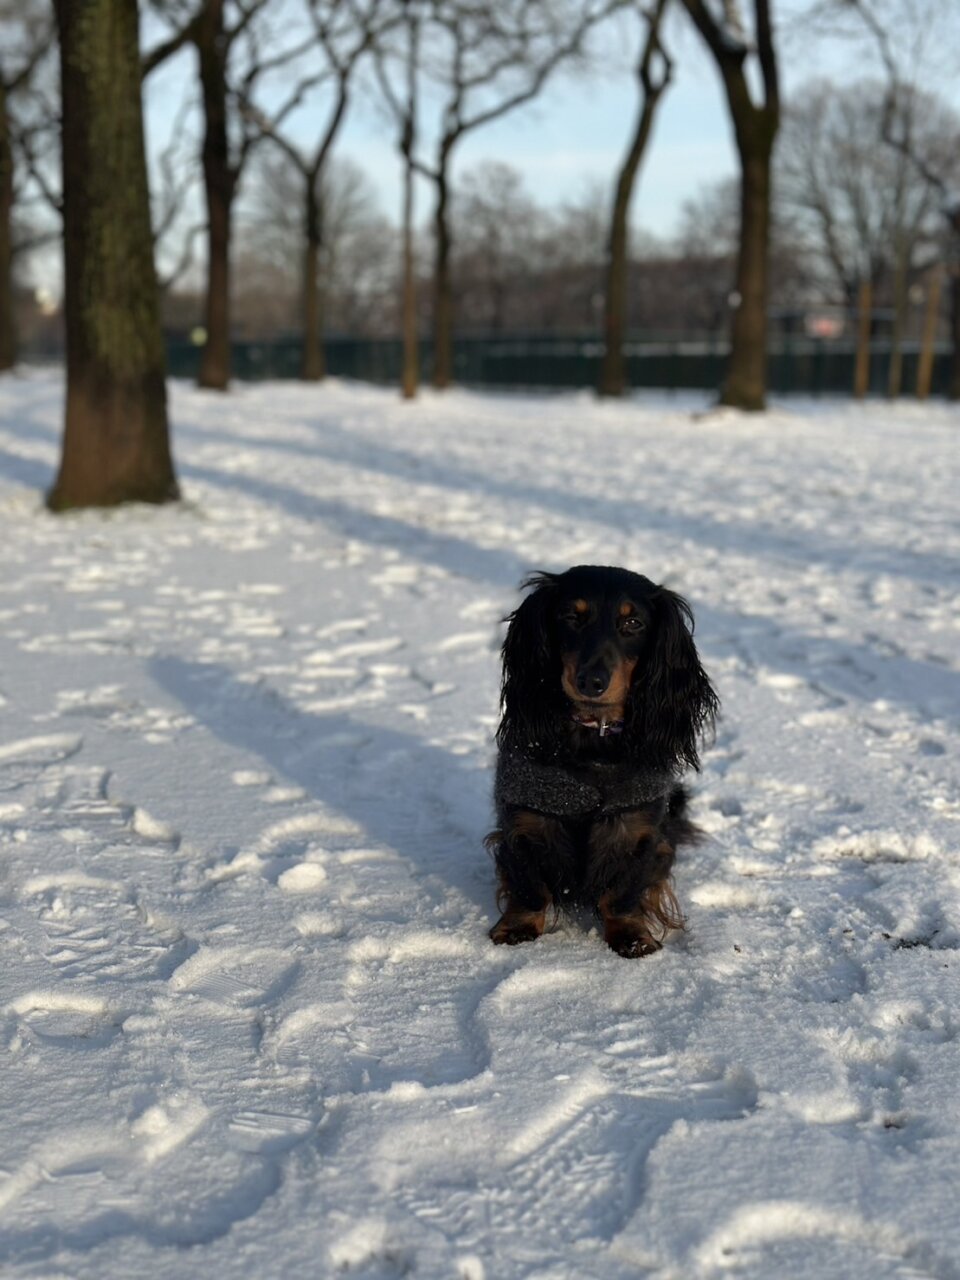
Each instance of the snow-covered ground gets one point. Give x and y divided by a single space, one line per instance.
250 1021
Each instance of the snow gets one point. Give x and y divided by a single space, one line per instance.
251 1023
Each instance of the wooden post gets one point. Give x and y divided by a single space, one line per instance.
930 317
861 373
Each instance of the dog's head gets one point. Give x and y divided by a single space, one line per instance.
604 643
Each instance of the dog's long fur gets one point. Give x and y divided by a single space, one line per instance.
587 647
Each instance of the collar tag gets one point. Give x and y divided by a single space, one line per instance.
603 727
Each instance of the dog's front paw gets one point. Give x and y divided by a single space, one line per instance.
631 943
517 926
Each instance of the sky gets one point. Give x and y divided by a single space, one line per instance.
571 139
574 134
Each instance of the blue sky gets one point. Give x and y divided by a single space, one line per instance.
575 133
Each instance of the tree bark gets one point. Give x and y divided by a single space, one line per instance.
746 380
929 338
895 368
220 182
442 288
612 374
410 375
861 369
116 443
8 333
953 218
755 128
312 362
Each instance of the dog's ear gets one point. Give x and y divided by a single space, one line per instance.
530 695
673 702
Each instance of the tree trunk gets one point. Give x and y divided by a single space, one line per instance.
755 128
746 380
954 222
895 369
442 290
929 339
410 376
115 445
8 333
312 363
612 375
861 368
219 181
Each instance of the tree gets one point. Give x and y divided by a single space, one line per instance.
917 43
116 444
755 126
652 86
868 215
356 275
29 27
502 237
215 29
343 33
485 61
405 109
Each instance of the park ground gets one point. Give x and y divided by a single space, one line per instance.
250 1021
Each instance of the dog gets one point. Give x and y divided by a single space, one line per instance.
604 705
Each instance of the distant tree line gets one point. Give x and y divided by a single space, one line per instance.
844 195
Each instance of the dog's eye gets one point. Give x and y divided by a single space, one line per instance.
632 625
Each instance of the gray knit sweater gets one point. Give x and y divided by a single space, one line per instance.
596 788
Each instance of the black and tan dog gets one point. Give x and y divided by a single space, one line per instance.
604 704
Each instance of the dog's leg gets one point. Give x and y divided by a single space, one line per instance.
534 859
629 875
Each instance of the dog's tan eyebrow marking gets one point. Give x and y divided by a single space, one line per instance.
580 606
626 609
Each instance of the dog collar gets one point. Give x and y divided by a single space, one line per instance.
604 726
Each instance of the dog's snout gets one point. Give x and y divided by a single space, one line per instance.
593 681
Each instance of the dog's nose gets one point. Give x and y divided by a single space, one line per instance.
592 681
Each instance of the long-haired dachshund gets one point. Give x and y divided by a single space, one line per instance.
604 704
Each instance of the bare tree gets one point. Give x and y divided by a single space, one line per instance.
653 81
344 33
26 34
916 44
503 239
404 104
116 444
755 121
867 214
486 61
223 33
356 267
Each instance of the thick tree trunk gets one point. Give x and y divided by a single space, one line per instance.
8 333
755 127
442 288
116 444
219 181
746 380
312 363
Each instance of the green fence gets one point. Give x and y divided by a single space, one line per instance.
802 366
